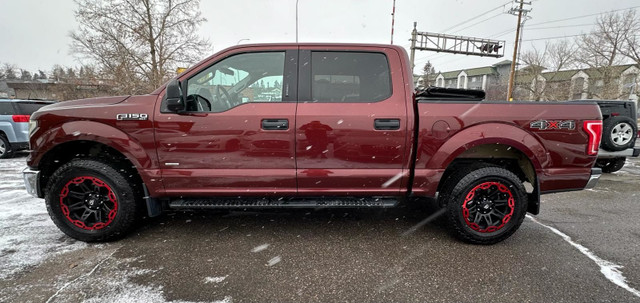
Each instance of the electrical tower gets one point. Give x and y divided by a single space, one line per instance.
521 12
454 45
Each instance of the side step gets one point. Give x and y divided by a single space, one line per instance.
249 202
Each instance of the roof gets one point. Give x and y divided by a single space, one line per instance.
503 62
471 72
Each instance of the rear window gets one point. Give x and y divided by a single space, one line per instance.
349 77
28 108
6 108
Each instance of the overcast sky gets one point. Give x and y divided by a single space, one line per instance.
34 34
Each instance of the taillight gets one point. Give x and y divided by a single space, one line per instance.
594 129
20 118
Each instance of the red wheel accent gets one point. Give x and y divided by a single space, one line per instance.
103 213
502 217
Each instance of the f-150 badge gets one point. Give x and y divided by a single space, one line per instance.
545 125
132 117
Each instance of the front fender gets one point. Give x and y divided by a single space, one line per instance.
91 131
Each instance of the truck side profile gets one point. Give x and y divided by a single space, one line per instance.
306 125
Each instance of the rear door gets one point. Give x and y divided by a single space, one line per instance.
351 126
236 137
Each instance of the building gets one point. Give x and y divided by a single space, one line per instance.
474 78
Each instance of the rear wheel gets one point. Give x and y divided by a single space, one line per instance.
5 147
485 204
611 165
619 133
92 200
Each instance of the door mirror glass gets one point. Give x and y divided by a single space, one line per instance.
175 102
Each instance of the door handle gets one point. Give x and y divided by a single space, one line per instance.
386 124
275 124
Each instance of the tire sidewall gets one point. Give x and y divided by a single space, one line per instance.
124 196
7 148
459 194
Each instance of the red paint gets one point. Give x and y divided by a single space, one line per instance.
229 154
64 193
469 198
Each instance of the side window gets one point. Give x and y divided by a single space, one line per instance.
349 77
242 78
6 108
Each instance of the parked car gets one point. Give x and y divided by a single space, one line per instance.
14 124
100 163
619 134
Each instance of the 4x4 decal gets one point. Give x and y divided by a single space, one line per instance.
557 124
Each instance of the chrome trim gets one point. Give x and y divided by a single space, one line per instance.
32 182
596 173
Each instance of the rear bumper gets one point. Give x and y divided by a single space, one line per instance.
32 182
595 176
629 152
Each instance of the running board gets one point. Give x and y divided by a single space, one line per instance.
248 202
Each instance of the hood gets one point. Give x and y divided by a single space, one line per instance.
100 101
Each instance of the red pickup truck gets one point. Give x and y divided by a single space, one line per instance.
306 125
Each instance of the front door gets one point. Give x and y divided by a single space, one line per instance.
351 126
236 136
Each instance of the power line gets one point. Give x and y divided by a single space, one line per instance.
484 20
476 17
584 16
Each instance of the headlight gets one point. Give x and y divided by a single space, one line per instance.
33 125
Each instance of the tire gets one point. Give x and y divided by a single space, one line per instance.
496 216
619 133
5 148
611 165
93 201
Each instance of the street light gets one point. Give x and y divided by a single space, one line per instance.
242 40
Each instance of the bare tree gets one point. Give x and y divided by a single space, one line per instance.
138 43
10 71
543 67
603 48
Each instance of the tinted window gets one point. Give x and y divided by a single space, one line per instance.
349 77
6 108
28 108
250 77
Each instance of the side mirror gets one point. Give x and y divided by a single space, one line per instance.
175 101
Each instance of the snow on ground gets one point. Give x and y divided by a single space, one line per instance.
27 235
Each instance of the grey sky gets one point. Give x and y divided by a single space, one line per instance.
34 33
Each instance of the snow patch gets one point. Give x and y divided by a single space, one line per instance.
214 279
610 270
260 248
275 260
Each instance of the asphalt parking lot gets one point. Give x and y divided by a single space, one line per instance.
568 253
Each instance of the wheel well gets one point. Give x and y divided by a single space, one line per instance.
501 155
83 149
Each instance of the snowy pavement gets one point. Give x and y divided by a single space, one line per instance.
324 256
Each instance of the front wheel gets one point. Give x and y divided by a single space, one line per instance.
92 200
485 205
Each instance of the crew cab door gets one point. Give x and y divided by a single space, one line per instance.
351 122
236 136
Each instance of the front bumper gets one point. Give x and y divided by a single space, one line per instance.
595 176
32 182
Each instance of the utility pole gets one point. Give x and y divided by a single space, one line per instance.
393 19
414 33
520 10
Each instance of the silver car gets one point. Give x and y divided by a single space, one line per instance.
14 124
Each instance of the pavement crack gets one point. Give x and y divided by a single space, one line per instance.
85 275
